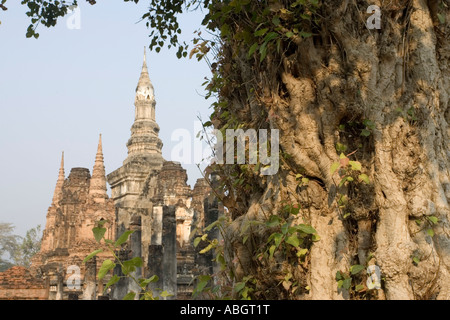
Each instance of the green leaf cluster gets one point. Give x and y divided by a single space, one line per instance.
345 280
127 267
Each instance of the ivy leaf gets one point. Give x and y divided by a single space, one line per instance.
253 49
106 266
341 147
101 223
344 161
197 241
152 279
433 219
363 177
356 165
203 281
274 221
334 167
365 133
293 241
212 225
271 251
305 34
285 228
98 233
208 248
270 36
430 232
347 283
276 21
165 294
357 268
239 286
261 32
278 237
123 238
263 51
346 178
302 252
289 34
114 279
416 260
359 288
137 262
130 296
369 123
91 255
306 229
225 30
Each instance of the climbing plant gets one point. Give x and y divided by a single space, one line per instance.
128 267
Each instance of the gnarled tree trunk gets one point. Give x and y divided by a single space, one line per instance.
384 95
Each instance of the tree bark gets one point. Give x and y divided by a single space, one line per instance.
318 92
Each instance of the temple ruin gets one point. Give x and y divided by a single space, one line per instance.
148 195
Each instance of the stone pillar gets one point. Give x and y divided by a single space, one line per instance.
89 292
73 296
120 289
136 251
157 225
100 288
135 241
169 239
154 265
211 214
59 286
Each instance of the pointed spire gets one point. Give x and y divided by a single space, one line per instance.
144 142
97 188
145 56
144 89
57 195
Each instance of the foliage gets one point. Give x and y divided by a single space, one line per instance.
427 224
8 245
30 245
20 250
284 241
128 267
357 283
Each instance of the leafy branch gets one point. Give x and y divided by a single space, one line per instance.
128 267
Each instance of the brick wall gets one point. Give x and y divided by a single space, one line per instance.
17 283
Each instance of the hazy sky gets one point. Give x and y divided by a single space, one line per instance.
58 93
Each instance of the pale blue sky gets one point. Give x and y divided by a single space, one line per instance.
61 91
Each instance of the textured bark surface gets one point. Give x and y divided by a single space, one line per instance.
397 77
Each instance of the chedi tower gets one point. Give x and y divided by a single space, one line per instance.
79 201
152 198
